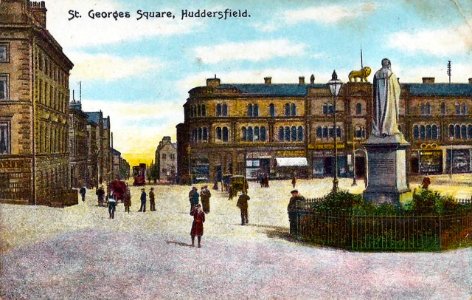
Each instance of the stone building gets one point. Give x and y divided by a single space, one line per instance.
281 129
78 145
34 93
100 152
166 159
93 127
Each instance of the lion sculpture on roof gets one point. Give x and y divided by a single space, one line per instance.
362 74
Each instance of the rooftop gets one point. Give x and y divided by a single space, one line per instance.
283 89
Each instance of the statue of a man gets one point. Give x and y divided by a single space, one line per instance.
386 101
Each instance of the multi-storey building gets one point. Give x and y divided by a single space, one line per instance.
166 159
279 129
34 93
93 127
102 156
78 144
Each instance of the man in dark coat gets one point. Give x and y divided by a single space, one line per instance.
295 202
82 192
243 205
143 201
152 200
205 195
100 195
193 197
197 225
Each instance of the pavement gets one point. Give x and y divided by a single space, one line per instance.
79 253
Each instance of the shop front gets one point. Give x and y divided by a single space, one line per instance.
323 162
430 162
460 159
292 166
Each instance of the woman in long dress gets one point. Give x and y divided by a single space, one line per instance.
197 225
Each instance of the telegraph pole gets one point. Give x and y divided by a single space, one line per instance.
449 71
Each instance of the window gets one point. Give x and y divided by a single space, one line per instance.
164 156
218 110
319 132
287 134
203 110
281 133
272 110
224 110
458 108
328 108
199 111
463 109
463 131
4 87
359 132
172 156
253 110
451 130
249 110
287 109
225 134
325 132
4 137
300 133
218 133
3 53
358 108
263 134
293 109
434 132
250 134
244 133
457 131
443 108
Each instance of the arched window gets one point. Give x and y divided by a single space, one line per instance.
224 111
428 132
293 109
319 132
434 132
443 108
463 131
225 134
358 108
199 111
338 132
205 134
256 133
263 134
250 134
458 108
422 132
457 131
249 110
300 133
218 133
281 133
463 109
218 110
272 110
255 110
287 109
200 134
244 133
428 109
287 134
331 132
293 136
451 130
325 132
469 131
203 110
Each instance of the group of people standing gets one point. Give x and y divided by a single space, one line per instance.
198 212
263 180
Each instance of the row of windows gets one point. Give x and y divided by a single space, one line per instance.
51 97
253 134
460 109
290 109
164 156
50 69
200 134
198 110
291 134
460 131
324 132
52 139
426 132
222 133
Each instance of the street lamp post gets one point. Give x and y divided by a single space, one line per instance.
450 162
354 182
334 87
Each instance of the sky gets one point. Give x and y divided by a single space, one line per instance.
139 72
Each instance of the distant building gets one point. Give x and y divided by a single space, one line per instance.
270 128
166 159
34 98
78 145
102 153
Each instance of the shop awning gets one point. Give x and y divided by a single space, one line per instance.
291 161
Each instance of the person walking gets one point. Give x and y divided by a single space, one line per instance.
243 206
294 180
205 195
100 195
152 200
197 225
143 201
193 197
111 205
82 192
127 199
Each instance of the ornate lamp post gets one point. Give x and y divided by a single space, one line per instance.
451 138
334 87
354 182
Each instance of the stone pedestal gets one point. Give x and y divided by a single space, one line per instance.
386 169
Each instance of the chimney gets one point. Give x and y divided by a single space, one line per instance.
428 79
213 82
312 79
470 80
267 80
301 80
38 9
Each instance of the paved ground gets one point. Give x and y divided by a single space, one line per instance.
78 253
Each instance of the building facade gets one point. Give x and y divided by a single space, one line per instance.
78 145
282 129
34 93
166 159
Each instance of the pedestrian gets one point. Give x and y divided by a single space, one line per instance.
143 201
261 179
127 199
197 225
266 180
294 180
193 197
243 206
295 202
205 195
111 206
82 192
100 195
152 200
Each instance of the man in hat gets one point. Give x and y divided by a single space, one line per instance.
100 195
295 201
152 200
143 201
243 205
197 225
205 197
193 197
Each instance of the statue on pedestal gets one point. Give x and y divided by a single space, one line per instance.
386 101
